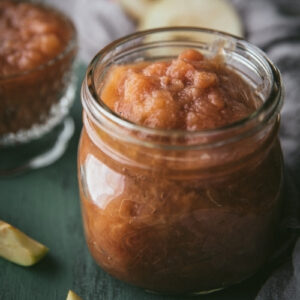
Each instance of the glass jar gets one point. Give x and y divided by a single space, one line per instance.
174 211
35 100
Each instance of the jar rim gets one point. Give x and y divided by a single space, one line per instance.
96 107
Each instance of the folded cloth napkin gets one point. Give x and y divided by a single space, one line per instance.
98 23
274 26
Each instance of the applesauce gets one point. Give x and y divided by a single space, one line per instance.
189 93
179 164
37 50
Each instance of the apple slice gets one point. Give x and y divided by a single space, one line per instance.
213 14
19 248
73 296
136 8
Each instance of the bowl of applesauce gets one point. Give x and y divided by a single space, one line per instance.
37 52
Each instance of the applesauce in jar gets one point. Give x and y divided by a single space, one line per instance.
179 164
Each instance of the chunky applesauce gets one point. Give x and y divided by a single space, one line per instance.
189 92
179 219
36 55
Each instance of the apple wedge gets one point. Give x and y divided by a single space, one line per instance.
73 296
136 8
19 248
213 14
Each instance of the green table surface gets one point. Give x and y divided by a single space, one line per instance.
45 205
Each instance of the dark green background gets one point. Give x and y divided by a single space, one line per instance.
45 205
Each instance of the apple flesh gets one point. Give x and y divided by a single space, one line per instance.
73 296
19 248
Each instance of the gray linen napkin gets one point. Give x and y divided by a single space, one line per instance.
274 26
98 23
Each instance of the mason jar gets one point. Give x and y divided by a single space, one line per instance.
175 211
